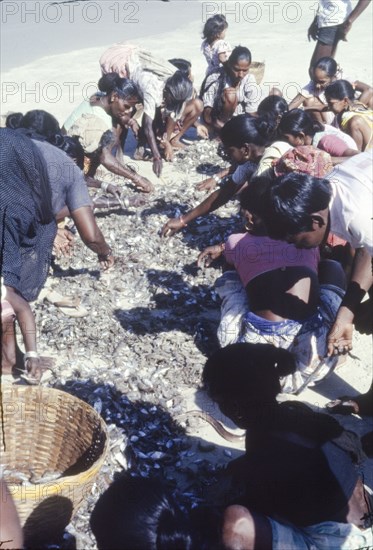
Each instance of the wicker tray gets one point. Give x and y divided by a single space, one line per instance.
47 430
257 70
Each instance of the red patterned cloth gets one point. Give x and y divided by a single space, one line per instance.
305 159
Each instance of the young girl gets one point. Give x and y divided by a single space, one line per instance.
352 117
245 139
214 47
326 71
299 129
276 293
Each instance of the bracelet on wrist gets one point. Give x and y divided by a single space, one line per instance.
105 257
104 186
217 179
30 355
183 223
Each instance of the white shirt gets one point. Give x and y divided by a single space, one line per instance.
212 52
351 206
249 94
333 12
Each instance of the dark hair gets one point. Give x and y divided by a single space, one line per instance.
239 52
326 64
13 120
71 146
179 89
214 26
288 203
182 65
38 122
139 514
339 90
298 121
244 128
246 373
246 378
273 104
112 82
251 197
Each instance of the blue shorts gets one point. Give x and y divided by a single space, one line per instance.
328 535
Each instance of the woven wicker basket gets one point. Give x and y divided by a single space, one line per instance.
257 70
47 430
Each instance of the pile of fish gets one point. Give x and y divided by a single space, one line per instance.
151 324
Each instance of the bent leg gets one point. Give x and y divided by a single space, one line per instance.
331 273
193 109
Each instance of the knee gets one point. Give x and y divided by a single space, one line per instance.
238 528
331 272
195 107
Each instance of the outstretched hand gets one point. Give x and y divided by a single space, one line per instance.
340 338
207 185
171 227
211 253
114 190
107 263
63 243
157 166
143 184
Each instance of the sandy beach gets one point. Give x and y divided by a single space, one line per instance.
49 60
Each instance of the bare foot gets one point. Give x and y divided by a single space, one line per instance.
176 144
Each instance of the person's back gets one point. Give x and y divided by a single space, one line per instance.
288 471
281 282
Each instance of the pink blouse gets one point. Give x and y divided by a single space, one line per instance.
252 255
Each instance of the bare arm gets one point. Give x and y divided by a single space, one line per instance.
212 202
151 139
360 131
112 164
340 335
366 91
358 10
91 235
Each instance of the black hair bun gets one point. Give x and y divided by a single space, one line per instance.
14 121
109 82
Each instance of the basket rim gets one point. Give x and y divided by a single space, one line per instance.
54 487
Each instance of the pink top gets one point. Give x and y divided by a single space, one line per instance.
252 255
332 145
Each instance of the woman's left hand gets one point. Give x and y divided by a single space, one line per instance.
63 243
